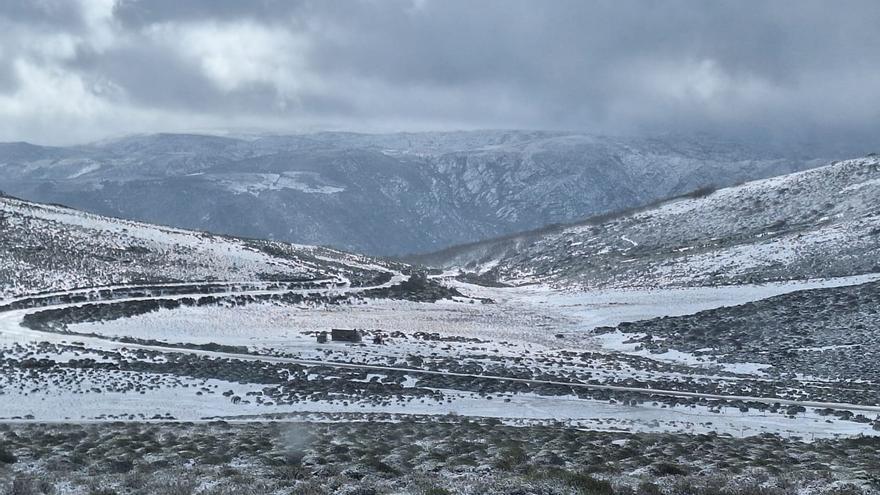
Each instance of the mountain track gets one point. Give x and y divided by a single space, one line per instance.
10 325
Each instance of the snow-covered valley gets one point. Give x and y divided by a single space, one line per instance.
534 334
117 322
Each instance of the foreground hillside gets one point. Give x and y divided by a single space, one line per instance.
422 457
819 223
377 194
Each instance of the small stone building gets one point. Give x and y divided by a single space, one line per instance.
344 335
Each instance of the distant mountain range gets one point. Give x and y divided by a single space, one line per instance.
387 194
819 223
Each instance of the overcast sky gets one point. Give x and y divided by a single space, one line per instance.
80 70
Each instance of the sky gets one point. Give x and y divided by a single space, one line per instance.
74 71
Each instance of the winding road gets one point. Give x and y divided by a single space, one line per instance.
11 327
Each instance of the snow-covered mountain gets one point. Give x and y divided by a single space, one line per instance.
823 222
380 194
52 248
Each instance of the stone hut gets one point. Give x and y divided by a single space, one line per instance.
344 335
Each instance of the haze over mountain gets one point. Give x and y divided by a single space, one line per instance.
386 194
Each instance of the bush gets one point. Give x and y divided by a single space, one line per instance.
584 483
7 457
667 469
120 466
845 489
379 465
701 192
510 458
648 488
22 486
177 487
581 482
290 473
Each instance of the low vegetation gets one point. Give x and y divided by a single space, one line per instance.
420 456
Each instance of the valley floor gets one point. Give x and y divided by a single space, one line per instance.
525 356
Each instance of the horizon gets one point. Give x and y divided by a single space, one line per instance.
78 72
813 150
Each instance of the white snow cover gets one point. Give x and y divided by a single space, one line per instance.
52 248
820 222
254 183
519 324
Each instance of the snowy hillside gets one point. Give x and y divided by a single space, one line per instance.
380 194
818 223
104 319
51 248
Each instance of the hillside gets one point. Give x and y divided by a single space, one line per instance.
52 248
386 194
823 222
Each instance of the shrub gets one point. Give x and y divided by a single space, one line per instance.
648 488
22 486
667 469
177 487
845 489
581 482
7 457
701 192
584 483
289 473
378 465
120 466
510 458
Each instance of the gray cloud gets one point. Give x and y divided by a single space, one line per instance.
794 71
139 13
51 13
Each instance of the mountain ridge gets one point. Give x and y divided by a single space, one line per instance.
386 194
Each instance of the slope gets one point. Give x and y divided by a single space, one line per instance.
48 247
823 222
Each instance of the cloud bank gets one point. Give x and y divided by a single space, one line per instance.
79 70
